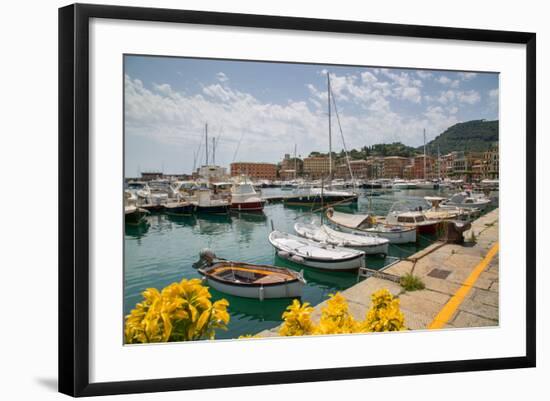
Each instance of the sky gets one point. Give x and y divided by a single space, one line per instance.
258 111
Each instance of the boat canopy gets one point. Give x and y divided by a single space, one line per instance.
349 220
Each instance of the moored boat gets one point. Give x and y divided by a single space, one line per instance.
207 204
245 198
467 200
180 208
400 214
369 244
367 224
313 254
253 281
132 213
311 196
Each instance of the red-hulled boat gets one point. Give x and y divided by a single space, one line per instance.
245 198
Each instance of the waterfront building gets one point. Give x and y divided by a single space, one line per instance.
491 162
418 168
211 172
316 167
151 175
359 169
264 171
292 163
393 166
375 167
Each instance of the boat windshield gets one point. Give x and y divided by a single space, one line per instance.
136 185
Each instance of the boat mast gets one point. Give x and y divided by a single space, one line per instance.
214 151
206 141
295 171
329 133
438 164
424 154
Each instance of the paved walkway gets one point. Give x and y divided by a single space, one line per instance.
461 283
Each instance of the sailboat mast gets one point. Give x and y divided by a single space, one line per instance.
214 151
329 133
295 171
424 154
206 141
438 164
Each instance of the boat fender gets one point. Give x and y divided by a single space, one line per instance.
283 254
261 294
297 259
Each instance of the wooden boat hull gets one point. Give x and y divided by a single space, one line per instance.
253 281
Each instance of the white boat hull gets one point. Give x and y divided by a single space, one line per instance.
395 237
283 290
346 265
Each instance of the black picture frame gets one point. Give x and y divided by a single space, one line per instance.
74 198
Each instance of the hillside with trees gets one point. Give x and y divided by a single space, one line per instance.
470 136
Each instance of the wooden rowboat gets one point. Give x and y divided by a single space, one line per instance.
253 281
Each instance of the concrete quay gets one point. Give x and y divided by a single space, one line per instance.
461 283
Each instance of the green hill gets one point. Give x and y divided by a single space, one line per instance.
471 136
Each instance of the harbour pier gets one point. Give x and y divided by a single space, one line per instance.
461 283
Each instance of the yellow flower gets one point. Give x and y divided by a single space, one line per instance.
179 312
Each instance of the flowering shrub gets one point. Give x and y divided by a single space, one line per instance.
384 315
180 312
297 320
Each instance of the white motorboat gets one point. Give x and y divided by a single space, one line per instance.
313 254
438 211
133 214
367 224
245 198
467 200
402 184
401 214
324 234
253 281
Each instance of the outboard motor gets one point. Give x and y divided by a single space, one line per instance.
206 258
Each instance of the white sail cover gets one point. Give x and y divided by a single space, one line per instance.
349 220
310 249
327 235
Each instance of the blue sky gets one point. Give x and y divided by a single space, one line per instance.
269 107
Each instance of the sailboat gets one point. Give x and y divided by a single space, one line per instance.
310 195
426 184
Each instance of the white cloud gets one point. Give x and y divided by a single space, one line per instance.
423 74
366 105
493 94
444 80
466 76
469 97
222 77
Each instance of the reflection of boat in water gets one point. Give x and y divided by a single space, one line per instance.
137 230
182 220
249 217
214 223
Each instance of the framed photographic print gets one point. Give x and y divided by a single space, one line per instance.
250 199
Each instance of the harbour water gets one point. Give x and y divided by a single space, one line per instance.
163 249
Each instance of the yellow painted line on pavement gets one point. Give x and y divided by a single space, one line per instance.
452 305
